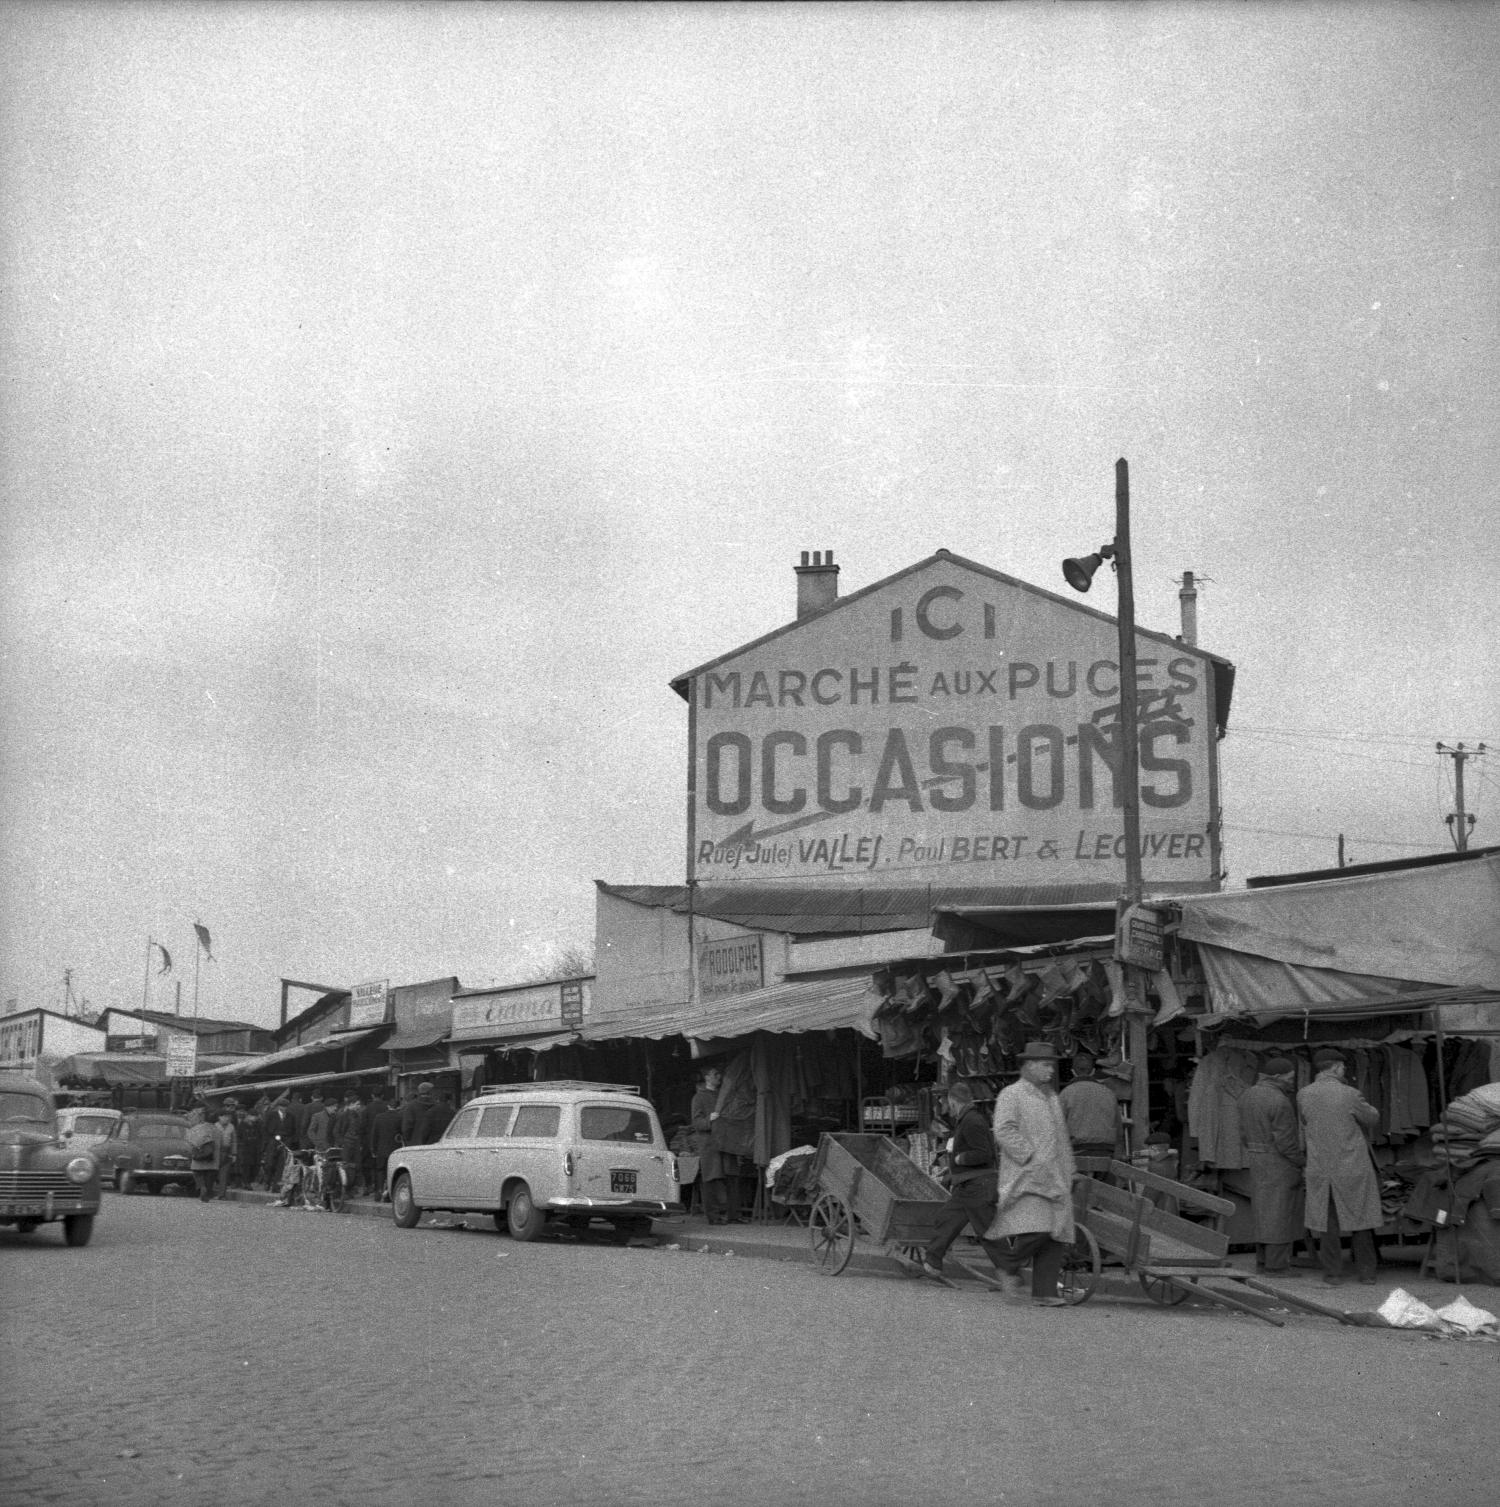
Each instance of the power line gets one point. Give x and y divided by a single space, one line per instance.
1372 842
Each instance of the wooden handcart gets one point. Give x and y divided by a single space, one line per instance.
866 1182
1131 1217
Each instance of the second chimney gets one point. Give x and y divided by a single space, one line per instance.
817 582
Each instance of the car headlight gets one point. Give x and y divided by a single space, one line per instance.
80 1169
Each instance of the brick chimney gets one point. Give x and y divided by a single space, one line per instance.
817 583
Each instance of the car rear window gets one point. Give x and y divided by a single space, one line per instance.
24 1107
537 1120
162 1130
614 1122
93 1124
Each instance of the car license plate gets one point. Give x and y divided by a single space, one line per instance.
25 1211
621 1181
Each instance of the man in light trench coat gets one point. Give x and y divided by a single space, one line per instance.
1343 1194
1035 1193
1268 1123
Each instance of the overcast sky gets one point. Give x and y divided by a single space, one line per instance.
397 397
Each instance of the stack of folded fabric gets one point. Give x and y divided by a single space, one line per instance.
1470 1123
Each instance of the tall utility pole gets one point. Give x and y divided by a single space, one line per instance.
1460 823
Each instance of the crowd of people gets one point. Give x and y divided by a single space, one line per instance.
236 1145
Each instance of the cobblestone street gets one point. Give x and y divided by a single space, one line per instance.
239 1355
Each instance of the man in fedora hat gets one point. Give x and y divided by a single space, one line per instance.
1035 1192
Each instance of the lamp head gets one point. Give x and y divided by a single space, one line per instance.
1079 571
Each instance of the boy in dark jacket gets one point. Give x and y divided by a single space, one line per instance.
972 1178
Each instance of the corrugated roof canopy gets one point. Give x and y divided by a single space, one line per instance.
420 1033
827 1004
298 1053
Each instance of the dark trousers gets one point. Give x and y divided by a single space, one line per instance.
971 1204
1046 1257
1273 1258
207 1179
1331 1249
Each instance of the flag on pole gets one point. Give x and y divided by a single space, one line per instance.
203 941
166 959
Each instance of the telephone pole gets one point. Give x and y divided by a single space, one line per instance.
1460 822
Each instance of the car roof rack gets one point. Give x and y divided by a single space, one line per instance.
559 1083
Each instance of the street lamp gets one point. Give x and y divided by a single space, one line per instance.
1079 574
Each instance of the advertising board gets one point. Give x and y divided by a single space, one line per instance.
181 1051
369 1004
949 725
524 1010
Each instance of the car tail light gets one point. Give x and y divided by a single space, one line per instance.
568 1164
146 1160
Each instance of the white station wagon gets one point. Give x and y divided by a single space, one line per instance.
536 1152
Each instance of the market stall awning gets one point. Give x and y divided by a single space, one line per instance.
973 927
113 1067
304 1050
809 1005
277 1085
1429 926
1462 1012
844 910
419 1034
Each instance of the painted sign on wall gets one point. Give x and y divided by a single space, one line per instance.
950 725
525 1010
730 965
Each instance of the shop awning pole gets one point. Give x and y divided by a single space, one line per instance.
1437 1025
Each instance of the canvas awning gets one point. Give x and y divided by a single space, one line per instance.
113 1067
300 1053
825 1004
1431 926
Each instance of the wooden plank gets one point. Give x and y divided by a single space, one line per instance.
1231 1300
1118 1236
1185 1236
1194 1239
1184 1193
1298 1301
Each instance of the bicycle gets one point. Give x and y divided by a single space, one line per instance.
332 1179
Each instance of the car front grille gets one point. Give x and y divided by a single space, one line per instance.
38 1183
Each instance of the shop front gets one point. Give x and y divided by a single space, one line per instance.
510 1034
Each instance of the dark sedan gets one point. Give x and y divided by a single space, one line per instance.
147 1149
41 1180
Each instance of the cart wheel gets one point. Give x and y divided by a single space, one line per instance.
1159 1290
1080 1268
830 1227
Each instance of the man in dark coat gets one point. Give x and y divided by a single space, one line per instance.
423 1119
384 1137
1268 1124
1343 1193
971 1182
280 1136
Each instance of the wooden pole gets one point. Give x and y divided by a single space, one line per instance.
1135 984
